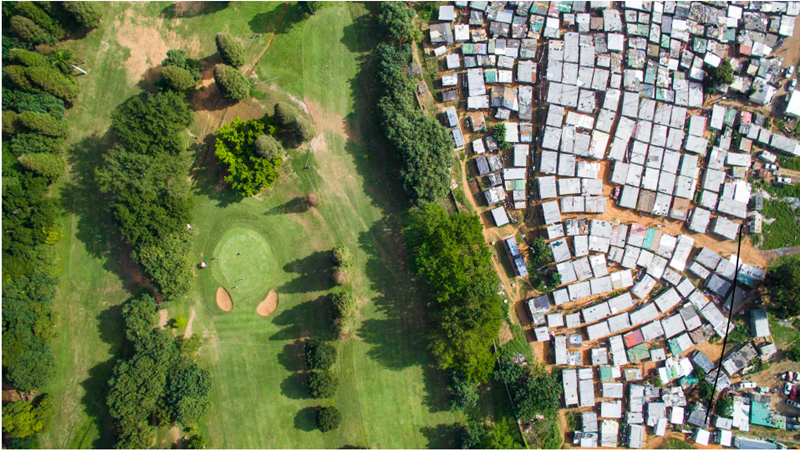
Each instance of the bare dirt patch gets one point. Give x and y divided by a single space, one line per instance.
162 318
268 305
224 300
188 332
325 121
147 47
505 334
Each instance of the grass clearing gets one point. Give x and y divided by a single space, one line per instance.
783 231
783 335
390 396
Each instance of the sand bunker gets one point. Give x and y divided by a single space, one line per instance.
268 305
224 300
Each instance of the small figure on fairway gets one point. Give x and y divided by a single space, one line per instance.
237 286
203 265
238 253
214 258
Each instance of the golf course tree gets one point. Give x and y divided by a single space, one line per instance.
448 253
783 283
22 419
177 78
86 14
344 307
310 8
153 383
35 95
180 59
323 384
294 126
247 171
343 266
463 392
328 418
230 49
320 355
232 83
149 198
424 145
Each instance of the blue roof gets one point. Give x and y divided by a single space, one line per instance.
519 264
513 249
458 138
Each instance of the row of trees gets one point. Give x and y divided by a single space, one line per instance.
158 382
343 300
144 174
322 382
449 254
38 86
423 144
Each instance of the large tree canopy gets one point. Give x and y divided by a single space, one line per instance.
248 172
783 283
450 255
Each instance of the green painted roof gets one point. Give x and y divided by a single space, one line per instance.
674 347
605 373
648 238
759 414
638 353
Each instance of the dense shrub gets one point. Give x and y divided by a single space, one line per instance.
28 31
179 79
44 123
86 14
247 171
53 81
320 355
179 58
38 16
10 122
342 256
167 263
328 418
39 102
28 58
23 418
35 143
230 49
323 384
397 21
783 282
17 76
268 147
45 164
187 393
344 303
154 124
463 392
304 130
231 82
285 115
449 254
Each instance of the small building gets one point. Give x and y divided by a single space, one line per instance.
760 323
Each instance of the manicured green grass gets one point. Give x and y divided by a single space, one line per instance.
391 395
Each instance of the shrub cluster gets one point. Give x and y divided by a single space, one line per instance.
177 78
293 123
179 58
343 262
157 380
86 14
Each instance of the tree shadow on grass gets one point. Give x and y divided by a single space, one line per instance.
295 386
192 9
357 35
280 20
306 419
313 315
293 356
297 205
109 321
398 336
95 389
314 273
441 436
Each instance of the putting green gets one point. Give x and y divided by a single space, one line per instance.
253 265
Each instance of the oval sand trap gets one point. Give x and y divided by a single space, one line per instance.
224 300
268 305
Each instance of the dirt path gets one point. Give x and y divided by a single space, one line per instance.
188 332
775 254
162 318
